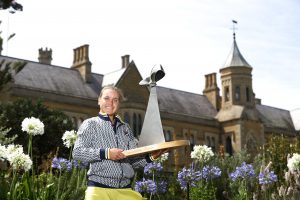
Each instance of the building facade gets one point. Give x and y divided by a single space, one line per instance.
231 121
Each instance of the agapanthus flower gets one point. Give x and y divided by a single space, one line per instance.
162 187
202 153
69 138
153 167
33 126
80 164
294 162
244 171
162 158
209 173
188 176
20 161
146 186
3 153
12 150
61 164
267 177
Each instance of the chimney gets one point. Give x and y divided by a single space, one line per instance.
211 90
125 61
45 56
82 63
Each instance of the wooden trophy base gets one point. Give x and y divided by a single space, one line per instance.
155 147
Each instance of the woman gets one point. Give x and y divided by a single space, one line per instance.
101 141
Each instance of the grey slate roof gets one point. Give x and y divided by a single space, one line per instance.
184 103
275 118
55 79
235 58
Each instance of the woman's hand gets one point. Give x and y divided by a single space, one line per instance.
158 153
116 154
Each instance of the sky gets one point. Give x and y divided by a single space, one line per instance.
189 38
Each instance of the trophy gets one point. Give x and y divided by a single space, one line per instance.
152 135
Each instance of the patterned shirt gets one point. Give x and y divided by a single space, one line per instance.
95 137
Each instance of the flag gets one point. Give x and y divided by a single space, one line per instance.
234 21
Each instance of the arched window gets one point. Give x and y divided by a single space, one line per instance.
74 120
227 95
228 146
192 142
134 125
127 118
139 124
248 97
208 143
168 135
237 93
213 144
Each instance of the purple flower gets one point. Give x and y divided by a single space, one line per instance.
79 164
188 176
209 173
244 171
146 186
61 164
162 187
267 177
153 167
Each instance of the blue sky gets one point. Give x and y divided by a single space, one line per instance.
189 38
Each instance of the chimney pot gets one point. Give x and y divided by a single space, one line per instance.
125 61
45 56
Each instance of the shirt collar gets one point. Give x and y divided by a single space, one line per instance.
105 117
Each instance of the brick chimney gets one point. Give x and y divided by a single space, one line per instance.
82 63
125 61
45 56
211 90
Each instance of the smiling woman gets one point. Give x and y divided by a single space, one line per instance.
101 142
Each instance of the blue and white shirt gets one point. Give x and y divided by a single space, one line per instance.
95 137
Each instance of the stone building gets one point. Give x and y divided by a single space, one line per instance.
233 120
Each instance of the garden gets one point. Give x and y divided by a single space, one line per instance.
28 170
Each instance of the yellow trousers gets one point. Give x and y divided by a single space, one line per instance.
97 193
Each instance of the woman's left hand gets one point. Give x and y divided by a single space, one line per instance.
158 153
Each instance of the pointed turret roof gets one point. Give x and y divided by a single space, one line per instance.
235 58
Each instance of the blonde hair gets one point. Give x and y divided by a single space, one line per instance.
111 87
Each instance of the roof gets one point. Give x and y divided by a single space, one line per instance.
55 79
275 117
113 77
235 58
184 103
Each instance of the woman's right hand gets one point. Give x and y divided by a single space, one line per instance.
116 154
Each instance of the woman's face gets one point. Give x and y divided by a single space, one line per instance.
109 102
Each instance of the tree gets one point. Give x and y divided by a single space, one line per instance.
5 4
56 123
8 70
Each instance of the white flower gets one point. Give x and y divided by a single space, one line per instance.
69 138
20 161
33 126
202 153
294 162
162 158
16 157
3 153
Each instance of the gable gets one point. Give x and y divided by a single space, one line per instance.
129 84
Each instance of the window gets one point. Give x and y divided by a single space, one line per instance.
237 93
127 118
139 124
227 96
208 143
134 125
248 94
79 122
74 120
168 135
192 142
213 144
228 146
